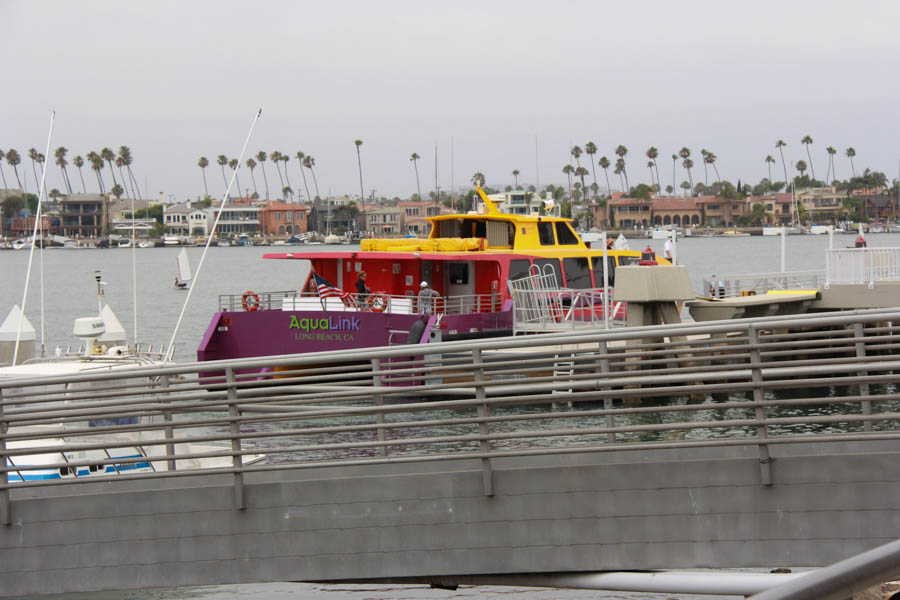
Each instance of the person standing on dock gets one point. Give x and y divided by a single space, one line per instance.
667 249
362 290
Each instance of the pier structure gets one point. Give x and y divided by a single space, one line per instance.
767 443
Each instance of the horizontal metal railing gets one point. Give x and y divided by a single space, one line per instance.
777 380
862 265
565 308
726 286
376 301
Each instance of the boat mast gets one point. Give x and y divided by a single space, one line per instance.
37 218
171 350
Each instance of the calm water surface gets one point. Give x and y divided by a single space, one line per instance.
69 292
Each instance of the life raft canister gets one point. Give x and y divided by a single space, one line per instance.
860 242
648 257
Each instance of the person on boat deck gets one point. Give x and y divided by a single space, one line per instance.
426 299
609 243
667 249
362 290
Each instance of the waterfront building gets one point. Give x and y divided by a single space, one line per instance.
415 213
384 220
722 212
283 219
175 218
84 215
239 217
679 212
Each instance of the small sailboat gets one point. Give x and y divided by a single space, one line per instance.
184 270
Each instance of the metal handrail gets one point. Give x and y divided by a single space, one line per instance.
376 301
373 406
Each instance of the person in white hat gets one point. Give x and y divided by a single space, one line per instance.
426 299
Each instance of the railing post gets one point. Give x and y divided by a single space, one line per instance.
762 433
484 411
603 350
168 430
240 500
5 516
860 334
378 398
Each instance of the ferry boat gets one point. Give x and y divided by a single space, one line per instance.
467 260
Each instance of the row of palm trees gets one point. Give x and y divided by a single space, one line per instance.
97 161
279 159
684 155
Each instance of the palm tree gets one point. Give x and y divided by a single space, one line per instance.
222 161
801 166
251 164
478 178
362 194
674 162
652 153
710 159
576 152
285 158
125 156
79 162
119 164
108 155
97 165
33 155
621 151
309 162
261 157
703 153
568 170
14 160
687 163
203 163
604 164
769 162
2 175
685 186
415 157
515 175
650 166
276 159
117 191
806 141
61 161
620 167
233 164
850 153
780 144
300 157
831 152
591 149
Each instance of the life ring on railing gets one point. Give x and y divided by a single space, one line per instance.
250 301
378 302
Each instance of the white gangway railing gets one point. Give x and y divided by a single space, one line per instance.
539 304
862 265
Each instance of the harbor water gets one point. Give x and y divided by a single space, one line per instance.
69 291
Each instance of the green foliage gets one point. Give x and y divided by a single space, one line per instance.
154 212
11 206
641 191
158 229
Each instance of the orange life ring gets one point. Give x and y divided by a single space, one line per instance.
250 301
378 302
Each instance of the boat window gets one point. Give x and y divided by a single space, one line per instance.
480 229
554 262
598 270
565 235
578 274
500 234
624 261
459 273
545 234
519 268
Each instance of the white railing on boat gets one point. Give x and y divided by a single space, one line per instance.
375 302
861 265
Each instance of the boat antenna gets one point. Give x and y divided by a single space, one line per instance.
37 219
171 349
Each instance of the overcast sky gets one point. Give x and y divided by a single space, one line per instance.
178 80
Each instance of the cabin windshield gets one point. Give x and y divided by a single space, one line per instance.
497 233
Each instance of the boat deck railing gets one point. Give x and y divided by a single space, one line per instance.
375 302
771 381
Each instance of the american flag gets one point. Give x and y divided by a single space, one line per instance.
326 290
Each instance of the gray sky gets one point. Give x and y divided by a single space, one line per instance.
177 80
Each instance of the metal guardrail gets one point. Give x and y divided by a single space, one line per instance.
862 265
776 380
727 286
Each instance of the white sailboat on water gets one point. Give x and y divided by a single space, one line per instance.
184 270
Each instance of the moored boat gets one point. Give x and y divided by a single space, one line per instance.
466 261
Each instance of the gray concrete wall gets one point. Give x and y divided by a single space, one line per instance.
577 512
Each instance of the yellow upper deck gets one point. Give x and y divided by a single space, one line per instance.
491 231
